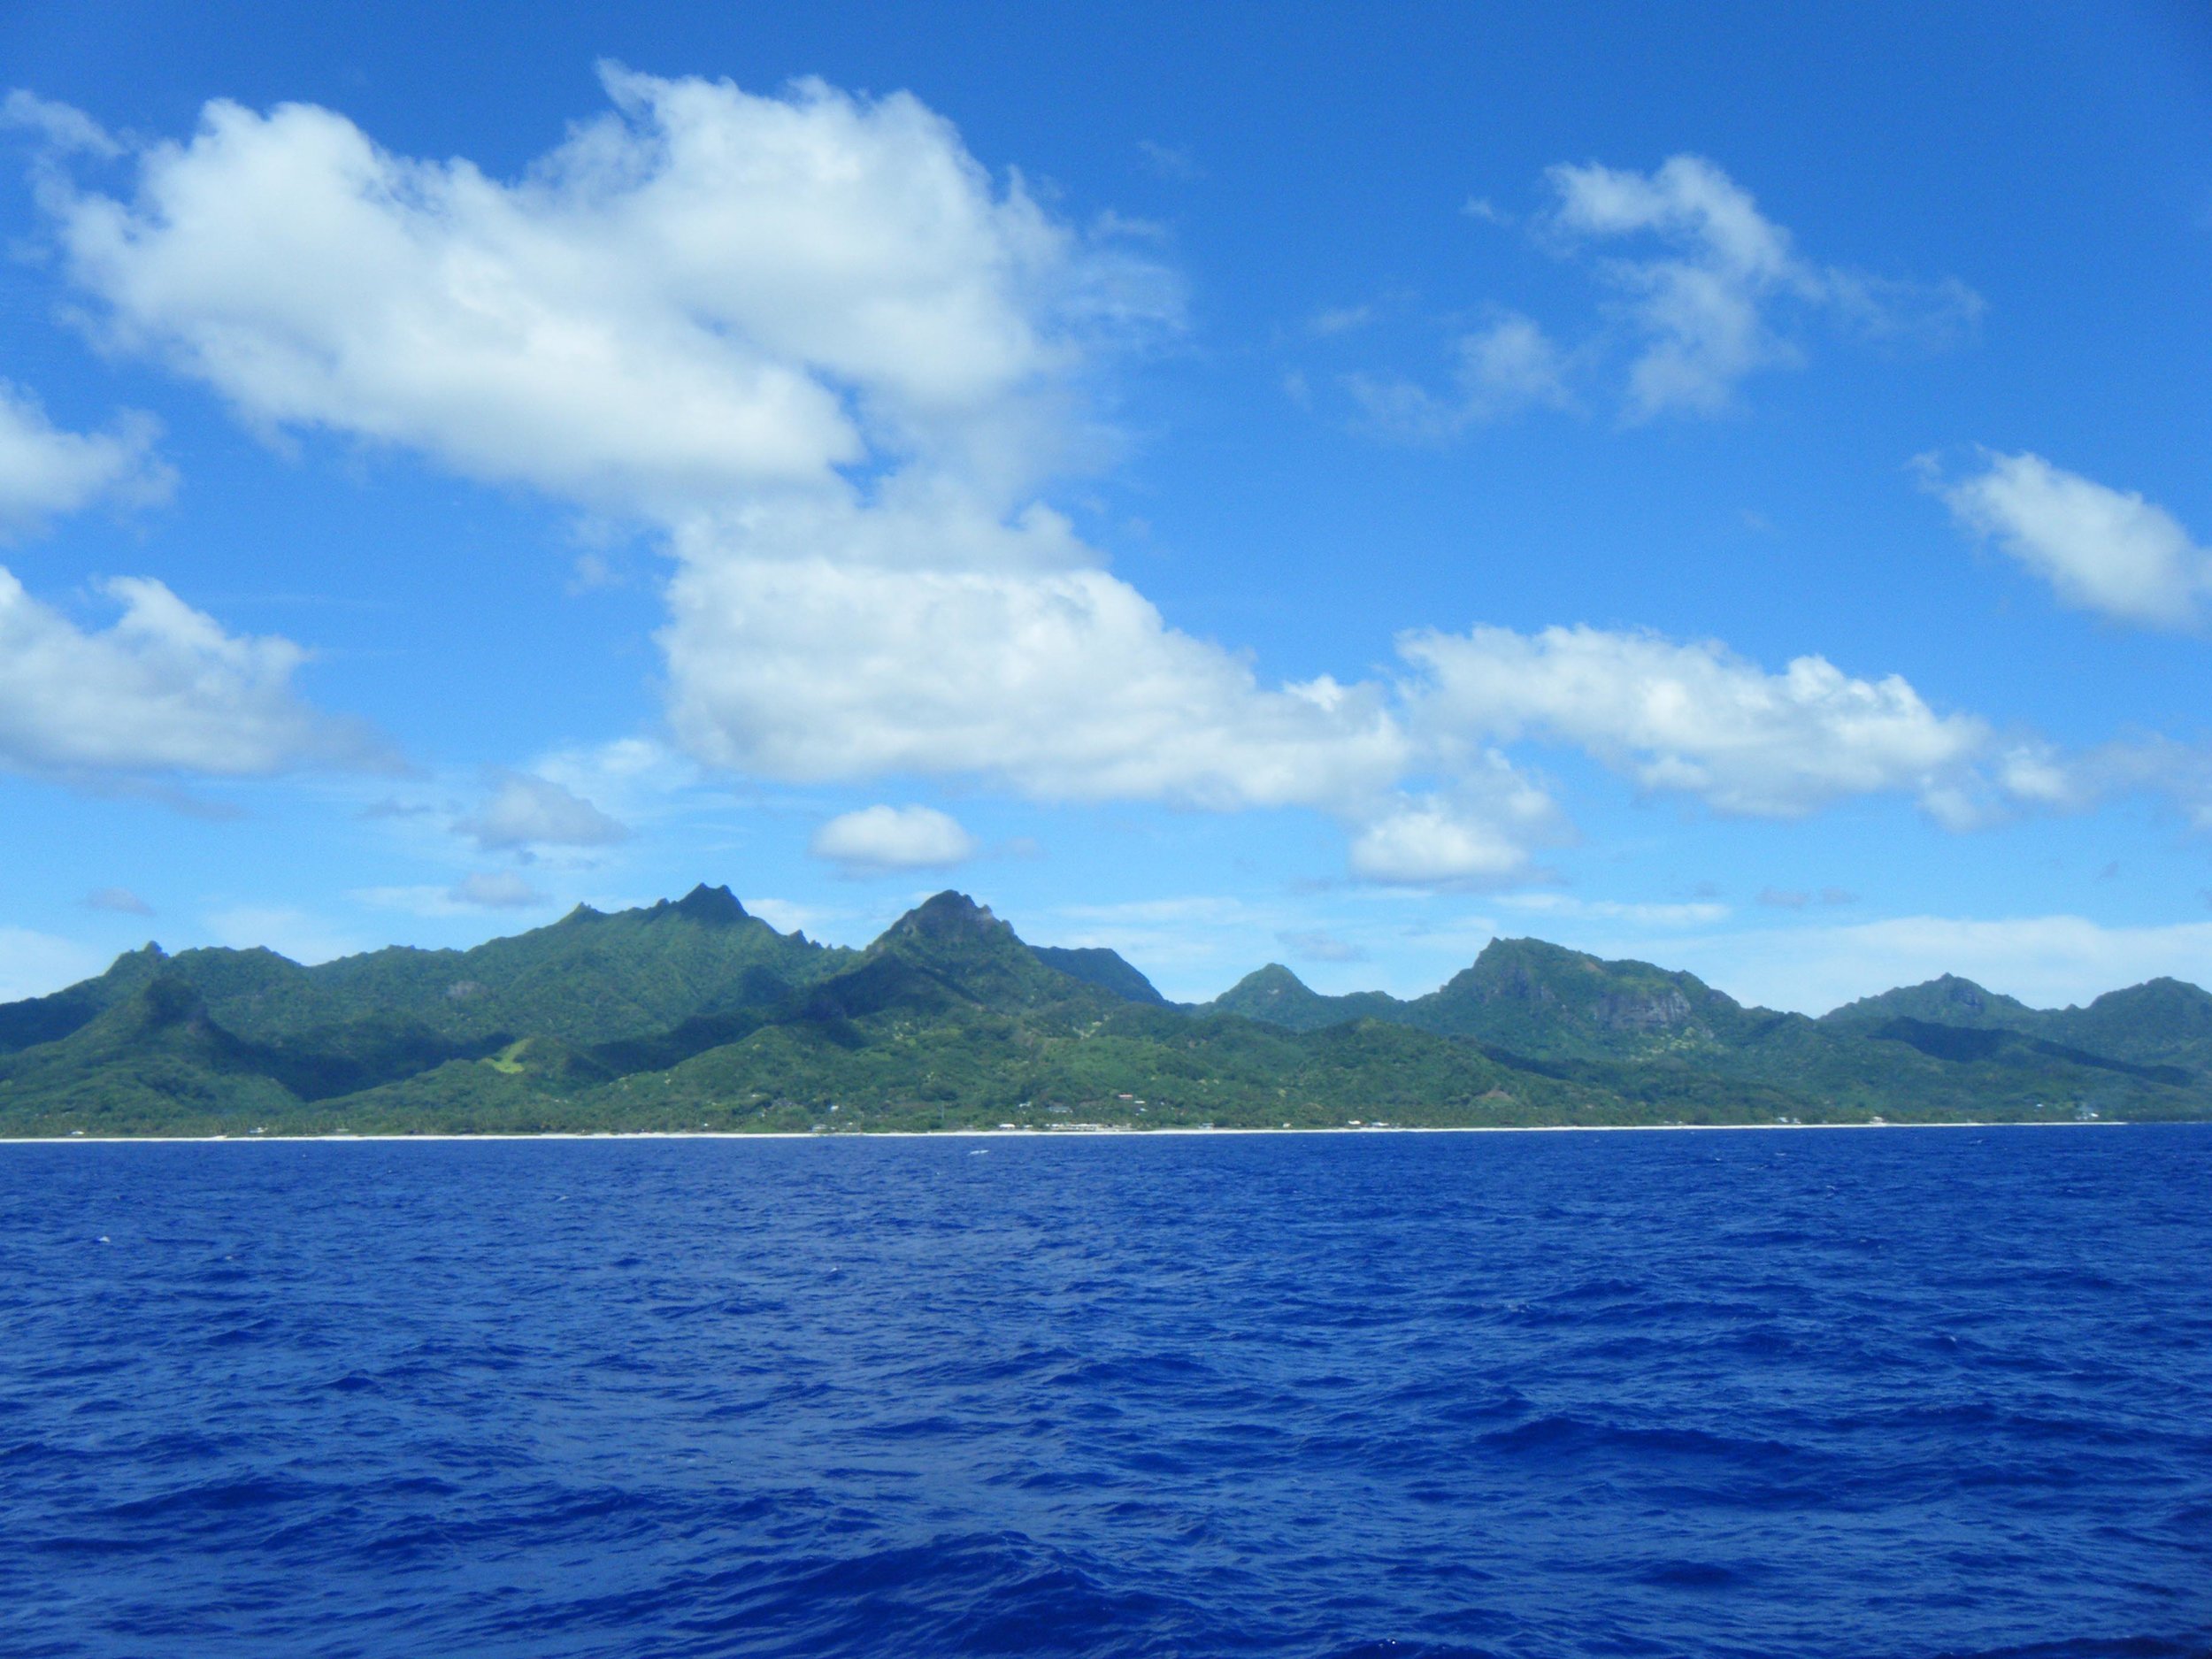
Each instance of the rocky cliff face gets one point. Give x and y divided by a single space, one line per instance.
1667 1011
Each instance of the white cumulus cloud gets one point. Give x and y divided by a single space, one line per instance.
885 838
1696 718
1482 832
45 471
1063 685
2099 549
700 294
476 892
66 131
164 688
1426 843
524 811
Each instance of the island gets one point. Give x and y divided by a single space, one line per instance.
693 1015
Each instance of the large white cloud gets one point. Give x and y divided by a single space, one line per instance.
45 471
2102 550
698 296
1061 684
161 689
1696 718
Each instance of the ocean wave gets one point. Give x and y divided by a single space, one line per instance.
1513 1397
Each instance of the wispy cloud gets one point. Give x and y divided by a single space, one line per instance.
1499 370
1695 914
1704 310
1169 161
1700 291
1318 945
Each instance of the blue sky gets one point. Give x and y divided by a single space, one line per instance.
1723 484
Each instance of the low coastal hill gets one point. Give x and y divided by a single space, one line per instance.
693 1014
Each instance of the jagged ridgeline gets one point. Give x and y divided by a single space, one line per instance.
694 1014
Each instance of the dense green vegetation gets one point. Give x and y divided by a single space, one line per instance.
693 1015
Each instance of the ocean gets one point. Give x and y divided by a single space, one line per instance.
1850 1392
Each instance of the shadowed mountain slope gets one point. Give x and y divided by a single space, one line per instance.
1095 964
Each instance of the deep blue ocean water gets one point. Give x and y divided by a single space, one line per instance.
1863 1393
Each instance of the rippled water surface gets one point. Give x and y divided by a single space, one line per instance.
1762 1394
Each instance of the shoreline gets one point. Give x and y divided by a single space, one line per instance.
1040 1134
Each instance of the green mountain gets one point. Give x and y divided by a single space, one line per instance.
694 1014
1948 1001
151 1054
588 977
2160 1023
1279 997
1105 969
1949 1047
1524 993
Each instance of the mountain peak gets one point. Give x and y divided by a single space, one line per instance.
1963 992
949 915
1500 951
1540 998
1274 980
1947 999
1526 971
718 907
